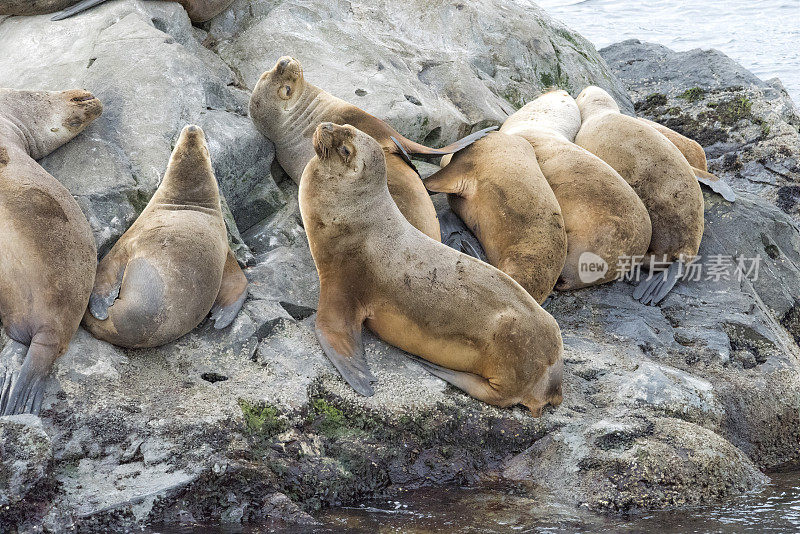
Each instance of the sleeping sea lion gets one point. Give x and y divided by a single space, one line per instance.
496 187
47 250
661 177
607 224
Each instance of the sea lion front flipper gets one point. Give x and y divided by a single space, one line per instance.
472 384
232 293
715 183
77 8
653 290
338 328
404 155
108 282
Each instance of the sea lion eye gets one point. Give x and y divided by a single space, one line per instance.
288 90
345 152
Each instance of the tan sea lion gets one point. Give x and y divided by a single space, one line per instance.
696 157
198 10
173 265
606 222
690 149
496 187
658 173
475 327
286 109
47 250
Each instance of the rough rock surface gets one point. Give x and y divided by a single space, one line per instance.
748 127
681 403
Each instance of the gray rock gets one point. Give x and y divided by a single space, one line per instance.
434 70
25 459
750 128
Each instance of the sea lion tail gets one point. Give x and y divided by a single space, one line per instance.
456 235
652 290
21 383
715 183
77 8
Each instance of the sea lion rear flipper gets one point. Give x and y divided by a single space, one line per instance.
108 282
23 380
232 293
422 150
715 183
456 235
77 8
472 384
653 290
338 328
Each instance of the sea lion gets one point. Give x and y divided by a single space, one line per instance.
47 250
286 109
496 187
606 221
173 265
691 149
474 326
696 157
661 177
198 10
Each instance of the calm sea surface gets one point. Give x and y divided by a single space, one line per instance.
762 35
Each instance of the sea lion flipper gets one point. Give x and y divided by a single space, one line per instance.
404 155
422 150
22 387
470 383
716 184
77 8
232 293
341 341
456 235
653 290
108 282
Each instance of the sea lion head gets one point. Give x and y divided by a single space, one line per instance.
277 91
346 149
548 390
595 100
189 178
52 118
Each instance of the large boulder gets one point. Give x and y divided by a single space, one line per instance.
434 69
750 128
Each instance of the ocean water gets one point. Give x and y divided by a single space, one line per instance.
762 35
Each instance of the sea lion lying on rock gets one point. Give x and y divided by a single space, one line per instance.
174 264
47 250
474 326
287 109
